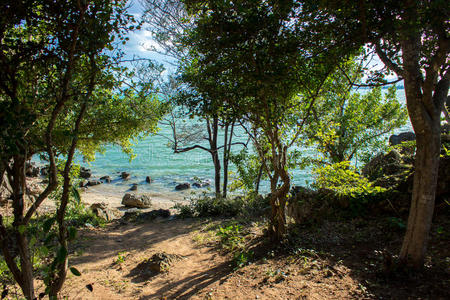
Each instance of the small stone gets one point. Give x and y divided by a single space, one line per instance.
148 179
94 182
125 175
134 187
182 186
106 179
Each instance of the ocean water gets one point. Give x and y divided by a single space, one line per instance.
167 169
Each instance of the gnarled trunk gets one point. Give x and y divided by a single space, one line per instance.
425 98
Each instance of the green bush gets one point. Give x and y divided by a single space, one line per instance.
232 240
345 184
204 205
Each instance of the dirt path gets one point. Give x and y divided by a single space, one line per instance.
108 260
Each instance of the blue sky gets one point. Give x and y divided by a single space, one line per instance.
140 41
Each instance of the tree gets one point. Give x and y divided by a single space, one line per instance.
168 22
347 125
248 53
57 80
411 38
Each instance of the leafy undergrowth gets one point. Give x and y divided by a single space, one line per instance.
359 256
232 259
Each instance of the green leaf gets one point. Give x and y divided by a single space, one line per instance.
49 239
76 194
72 231
33 241
61 255
21 229
75 271
48 224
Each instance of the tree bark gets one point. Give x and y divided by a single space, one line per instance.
213 130
226 155
18 182
425 98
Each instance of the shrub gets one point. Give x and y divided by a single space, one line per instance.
342 180
204 205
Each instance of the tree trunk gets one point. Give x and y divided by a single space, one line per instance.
18 183
423 197
226 155
424 99
213 131
278 199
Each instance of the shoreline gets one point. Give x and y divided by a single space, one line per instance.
113 198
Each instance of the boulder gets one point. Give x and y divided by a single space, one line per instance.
32 170
148 179
139 201
202 183
102 210
308 205
106 179
94 182
396 139
84 183
384 164
44 171
134 187
125 175
182 186
85 173
160 262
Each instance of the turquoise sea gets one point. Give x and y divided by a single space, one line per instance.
155 159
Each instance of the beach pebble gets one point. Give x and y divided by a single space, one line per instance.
148 179
134 187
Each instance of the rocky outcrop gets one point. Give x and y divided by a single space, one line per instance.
306 205
182 186
139 201
32 170
94 182
85 173
397 139
84 183
385 165
148 179
102 210
201 184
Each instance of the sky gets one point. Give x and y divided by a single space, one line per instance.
140 42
